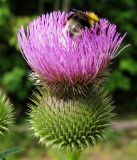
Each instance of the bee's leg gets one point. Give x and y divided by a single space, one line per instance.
77 11
99 27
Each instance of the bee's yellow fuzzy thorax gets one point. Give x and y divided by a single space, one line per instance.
93 18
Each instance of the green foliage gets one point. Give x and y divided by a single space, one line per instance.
118 80
6 114
13 70
129 65
13 81
72 124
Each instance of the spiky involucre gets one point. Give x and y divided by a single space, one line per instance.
71 124
6 113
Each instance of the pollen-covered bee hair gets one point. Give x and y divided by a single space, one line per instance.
78 20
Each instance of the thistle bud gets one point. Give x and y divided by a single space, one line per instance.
6 114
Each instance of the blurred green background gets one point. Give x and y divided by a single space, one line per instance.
14 70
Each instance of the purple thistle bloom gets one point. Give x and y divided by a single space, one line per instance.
58 58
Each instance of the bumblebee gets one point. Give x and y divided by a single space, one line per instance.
77 21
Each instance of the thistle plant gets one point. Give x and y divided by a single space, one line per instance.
6 114
72 108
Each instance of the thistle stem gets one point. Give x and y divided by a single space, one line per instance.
72 156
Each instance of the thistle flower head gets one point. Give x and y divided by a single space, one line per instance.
65 63
6 114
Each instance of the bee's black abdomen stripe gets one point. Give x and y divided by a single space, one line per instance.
82 20
70 16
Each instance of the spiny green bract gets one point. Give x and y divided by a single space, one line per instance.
6 113
71 124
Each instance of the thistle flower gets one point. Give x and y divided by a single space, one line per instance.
66 64
6 114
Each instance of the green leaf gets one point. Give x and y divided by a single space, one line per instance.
118 80
129 65
10 152
13 80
